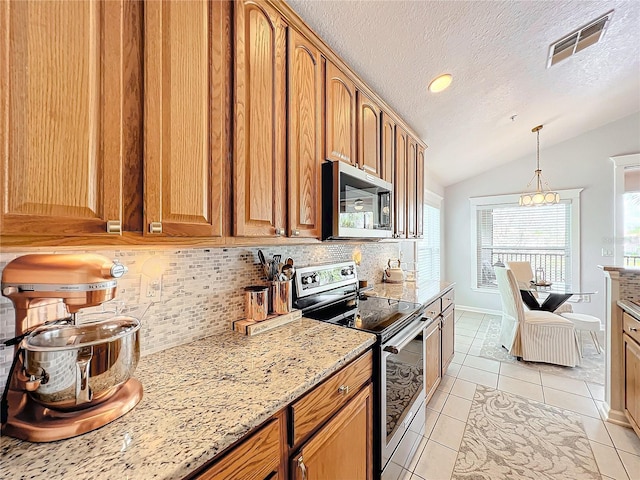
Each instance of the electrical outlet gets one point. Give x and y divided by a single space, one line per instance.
607 252
150 287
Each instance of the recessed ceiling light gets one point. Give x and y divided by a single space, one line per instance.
440 83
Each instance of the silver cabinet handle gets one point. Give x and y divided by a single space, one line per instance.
343 390
633 329
155 227
114 226
302 467
279 231
295 233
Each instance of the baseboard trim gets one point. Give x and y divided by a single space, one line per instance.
486 311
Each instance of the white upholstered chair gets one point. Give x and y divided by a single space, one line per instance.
534 335
524 274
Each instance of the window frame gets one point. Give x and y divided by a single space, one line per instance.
572 195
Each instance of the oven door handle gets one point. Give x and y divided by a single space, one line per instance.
403 341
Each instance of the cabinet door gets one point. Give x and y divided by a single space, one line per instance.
340 116
412 156
433 370
62 132
400 185
259 177
420 193
632 381
388 147
256 457
448 338
369 135
305 141
343 447
185 127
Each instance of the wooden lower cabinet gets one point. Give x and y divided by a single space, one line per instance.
433 370
327 432
258 457
631 365
342 449
632 382
448 338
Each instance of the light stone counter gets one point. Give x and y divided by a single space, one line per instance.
198 399
423 292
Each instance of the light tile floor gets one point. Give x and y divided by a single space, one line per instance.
429 450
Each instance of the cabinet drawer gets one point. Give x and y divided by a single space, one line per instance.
256 457
433 309
447 299
631 326
322 402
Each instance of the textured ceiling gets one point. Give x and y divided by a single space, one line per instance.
497 54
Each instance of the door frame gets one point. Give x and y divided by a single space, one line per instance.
620 162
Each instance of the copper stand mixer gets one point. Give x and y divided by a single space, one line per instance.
66 379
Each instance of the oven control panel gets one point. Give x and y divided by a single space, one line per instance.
316 279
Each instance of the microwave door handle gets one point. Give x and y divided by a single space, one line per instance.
405 339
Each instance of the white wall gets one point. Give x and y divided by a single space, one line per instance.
582 162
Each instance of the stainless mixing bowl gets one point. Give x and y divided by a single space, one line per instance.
80 366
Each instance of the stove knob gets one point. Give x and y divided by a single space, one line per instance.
306 280
316 277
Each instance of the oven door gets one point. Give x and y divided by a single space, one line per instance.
402 384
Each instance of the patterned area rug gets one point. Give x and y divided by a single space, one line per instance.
590 370
510 437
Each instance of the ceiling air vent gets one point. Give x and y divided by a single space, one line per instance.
578 40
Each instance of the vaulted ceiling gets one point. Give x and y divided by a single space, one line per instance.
497 52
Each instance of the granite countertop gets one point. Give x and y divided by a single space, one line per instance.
422 292
630 307
198 399
612 268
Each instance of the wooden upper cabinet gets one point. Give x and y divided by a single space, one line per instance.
62 92
412 156
305 137
369 114
340 116
259 176
420 192
400 183
187 71
388 147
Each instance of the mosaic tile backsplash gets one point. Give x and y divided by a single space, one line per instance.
630 286
197 292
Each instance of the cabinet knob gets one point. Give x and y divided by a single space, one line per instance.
279 231
343 390
295 233
114 226
155 227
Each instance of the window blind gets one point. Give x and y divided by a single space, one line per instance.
429 246
540 235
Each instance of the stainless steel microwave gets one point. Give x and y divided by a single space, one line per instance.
355 204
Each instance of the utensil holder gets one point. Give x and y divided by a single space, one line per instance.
256 302
281 297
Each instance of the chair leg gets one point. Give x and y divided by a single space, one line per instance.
594 337
579 342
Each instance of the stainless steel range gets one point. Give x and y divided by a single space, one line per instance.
330 293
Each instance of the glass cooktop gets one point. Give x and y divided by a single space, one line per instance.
371 314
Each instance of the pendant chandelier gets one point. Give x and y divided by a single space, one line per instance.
540 196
